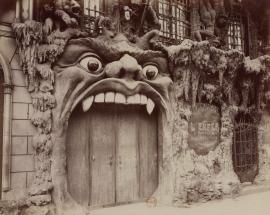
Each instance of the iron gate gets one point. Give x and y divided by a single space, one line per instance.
245 149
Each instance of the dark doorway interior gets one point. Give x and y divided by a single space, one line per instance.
245 148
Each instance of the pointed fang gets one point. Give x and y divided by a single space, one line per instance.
87 103
150 106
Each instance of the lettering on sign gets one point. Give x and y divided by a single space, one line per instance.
204 128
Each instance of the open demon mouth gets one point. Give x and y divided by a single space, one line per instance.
117 91
113 138
117 114
119 98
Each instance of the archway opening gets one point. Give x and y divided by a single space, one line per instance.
112 154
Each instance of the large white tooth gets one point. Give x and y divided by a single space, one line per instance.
99 98
131 99
150 106
143 100
137 99
120 98
109 97
86 104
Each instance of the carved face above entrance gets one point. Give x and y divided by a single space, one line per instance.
113 94
99 105
110 71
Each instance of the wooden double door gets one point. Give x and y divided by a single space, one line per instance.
112 154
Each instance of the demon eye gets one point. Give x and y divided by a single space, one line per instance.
91 64
150 71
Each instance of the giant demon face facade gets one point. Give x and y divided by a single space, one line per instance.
109 70
90 68
66 75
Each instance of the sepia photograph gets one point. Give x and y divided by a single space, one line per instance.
134 107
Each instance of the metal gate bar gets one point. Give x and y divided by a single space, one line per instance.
245 150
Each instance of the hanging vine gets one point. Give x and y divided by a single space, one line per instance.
39 46
207 74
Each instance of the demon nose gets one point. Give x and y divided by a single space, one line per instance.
125 68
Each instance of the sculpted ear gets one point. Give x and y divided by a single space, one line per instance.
144 42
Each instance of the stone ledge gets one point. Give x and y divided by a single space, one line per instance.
19 146
22 163
18 76
20 111
18 180
21 94
22 128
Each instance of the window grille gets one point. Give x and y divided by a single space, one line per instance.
236 34
245 148
174 18
92 9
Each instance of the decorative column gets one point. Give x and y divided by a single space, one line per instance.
24 10
7 136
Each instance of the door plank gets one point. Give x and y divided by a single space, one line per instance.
148 145
127 183
102 159
112 154
77 157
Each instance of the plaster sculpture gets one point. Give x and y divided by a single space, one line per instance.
102 65
65 68
206 23
211 21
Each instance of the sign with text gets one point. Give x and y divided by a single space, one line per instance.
204 128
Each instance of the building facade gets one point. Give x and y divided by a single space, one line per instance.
71 140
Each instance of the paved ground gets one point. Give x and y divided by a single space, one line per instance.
252 204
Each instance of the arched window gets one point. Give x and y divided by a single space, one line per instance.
236 33
5 124
236 29
174 18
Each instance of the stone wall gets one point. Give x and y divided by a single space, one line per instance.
21 159
202 177
264 149
22 130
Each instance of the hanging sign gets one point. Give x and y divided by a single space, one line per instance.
204 128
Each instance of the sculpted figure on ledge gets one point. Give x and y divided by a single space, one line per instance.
206 22
210 21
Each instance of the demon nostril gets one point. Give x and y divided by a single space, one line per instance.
137 74
122 73
126 74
